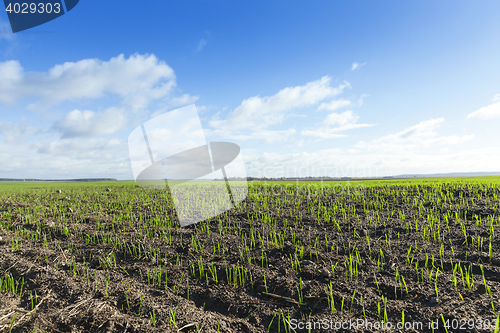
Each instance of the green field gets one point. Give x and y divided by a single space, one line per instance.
110 256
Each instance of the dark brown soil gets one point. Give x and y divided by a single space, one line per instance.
300 246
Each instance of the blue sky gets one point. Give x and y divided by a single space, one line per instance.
306 88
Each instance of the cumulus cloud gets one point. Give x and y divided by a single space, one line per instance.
423 134
29 152
334 105
14 133
138 80
488 112
260 112
334 124
79 148
343 162
182 100
356 65
88 123
73 145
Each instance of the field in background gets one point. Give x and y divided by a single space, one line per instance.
381 182
111 257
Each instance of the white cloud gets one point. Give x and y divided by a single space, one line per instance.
204 108
488 112
72 146
137 80
334 105
341 119
334 124
11 74
356 65
496 98
343 162
176 102
31 153
323 133
267 137
88 123
201 45
6 31
216 134
182 100
260 136
261 112
16 133
418 136
80 148
361 99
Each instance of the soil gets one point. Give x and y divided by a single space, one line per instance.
87 280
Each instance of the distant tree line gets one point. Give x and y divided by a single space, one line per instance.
57 180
